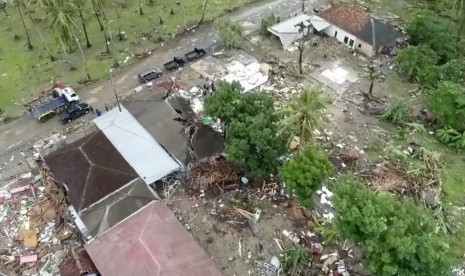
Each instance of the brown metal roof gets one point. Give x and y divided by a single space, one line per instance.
346 17
152 242
91 168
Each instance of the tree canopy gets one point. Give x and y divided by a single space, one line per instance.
447 102
230 32
304 174
252 135
397 237
418 63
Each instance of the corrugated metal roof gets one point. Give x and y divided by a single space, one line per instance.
151 242
145 155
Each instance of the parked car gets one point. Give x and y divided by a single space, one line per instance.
68 93
149 75
195 54
174 64
73 112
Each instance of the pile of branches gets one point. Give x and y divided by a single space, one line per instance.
213 178
419 167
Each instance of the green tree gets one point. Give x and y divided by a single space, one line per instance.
425 28
304 173
62 13
20 5
447 103
253 143
301 116
397 238
230 32
453 70
250 123
267 22
418 63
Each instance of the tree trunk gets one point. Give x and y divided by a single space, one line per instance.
120 35
370 90
83 57
84 27
66 53
462 24
97 15
29 44
301 54
52 58
141 12
303 5
205 4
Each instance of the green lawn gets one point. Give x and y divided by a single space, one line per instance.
23 73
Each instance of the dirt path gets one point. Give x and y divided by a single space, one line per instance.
24 131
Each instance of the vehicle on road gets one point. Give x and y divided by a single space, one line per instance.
67 92
51 102
195 54
174 64
73 112
149 75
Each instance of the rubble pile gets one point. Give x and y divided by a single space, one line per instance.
213 178
35 233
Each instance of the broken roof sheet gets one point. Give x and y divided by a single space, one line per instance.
116 207
319 23
145 155
290 25
91 168
152 242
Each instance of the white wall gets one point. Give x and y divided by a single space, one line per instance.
364 48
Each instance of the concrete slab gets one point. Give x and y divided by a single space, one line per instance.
210 67
335 75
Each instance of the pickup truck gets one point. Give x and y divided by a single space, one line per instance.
73 112
196 54
51 102
174 64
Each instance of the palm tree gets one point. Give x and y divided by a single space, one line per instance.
80 3
205 4
141 12
97 14
62 13
459 8
300 117
20 4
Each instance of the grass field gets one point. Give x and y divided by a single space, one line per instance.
23 72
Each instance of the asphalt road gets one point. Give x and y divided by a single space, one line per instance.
24 131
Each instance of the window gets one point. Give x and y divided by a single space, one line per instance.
335 34
359 45
346 39
351 43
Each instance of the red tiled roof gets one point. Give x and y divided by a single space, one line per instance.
91 168
346 17
151 242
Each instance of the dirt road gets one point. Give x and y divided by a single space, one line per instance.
24 131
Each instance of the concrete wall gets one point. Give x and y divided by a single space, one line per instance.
357 44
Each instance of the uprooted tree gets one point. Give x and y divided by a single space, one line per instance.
250 121
398 238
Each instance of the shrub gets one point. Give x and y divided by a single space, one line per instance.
397 238
418 64
305 173
447 103
423 29
397 113
230 32
267 22
453 70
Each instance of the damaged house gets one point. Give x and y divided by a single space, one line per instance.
359 30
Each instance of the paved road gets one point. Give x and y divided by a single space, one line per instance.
23 132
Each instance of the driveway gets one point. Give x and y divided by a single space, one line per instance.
23 132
